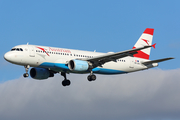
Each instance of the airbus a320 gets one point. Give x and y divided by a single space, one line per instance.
47 61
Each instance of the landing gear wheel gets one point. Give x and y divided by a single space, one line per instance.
66 82
91 77
26 75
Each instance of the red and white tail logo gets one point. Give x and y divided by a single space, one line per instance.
144 40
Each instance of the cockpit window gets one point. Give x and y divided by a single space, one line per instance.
17 49
13 49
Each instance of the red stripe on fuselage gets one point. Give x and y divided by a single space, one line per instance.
141 54
43 50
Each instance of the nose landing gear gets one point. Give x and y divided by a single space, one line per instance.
26 68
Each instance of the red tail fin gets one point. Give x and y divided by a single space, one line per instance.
144 40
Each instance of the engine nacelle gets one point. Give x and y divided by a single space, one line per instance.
40 73
78 65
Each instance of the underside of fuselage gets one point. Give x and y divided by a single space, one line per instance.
59 67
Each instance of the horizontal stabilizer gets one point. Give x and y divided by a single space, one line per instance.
157 61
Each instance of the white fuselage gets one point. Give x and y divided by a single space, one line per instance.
56 59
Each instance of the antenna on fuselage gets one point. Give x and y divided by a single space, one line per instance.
28 43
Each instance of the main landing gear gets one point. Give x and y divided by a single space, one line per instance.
26 68
65 82
91 77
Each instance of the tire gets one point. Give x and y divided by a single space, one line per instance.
93 77
26 75
66 82
89 78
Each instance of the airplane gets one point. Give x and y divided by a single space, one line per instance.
47 61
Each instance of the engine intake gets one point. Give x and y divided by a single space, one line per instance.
78 65
40 73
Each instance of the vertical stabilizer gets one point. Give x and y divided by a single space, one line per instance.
144 40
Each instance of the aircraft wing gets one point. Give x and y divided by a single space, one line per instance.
100 60
157 61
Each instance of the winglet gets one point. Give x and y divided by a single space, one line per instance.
154 45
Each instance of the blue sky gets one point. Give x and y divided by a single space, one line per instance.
100 25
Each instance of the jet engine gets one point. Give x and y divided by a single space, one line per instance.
40 73
78 65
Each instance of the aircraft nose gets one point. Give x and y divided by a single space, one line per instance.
8 56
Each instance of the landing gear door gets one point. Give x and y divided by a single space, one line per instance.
31 51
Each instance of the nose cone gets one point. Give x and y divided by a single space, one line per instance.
8 56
